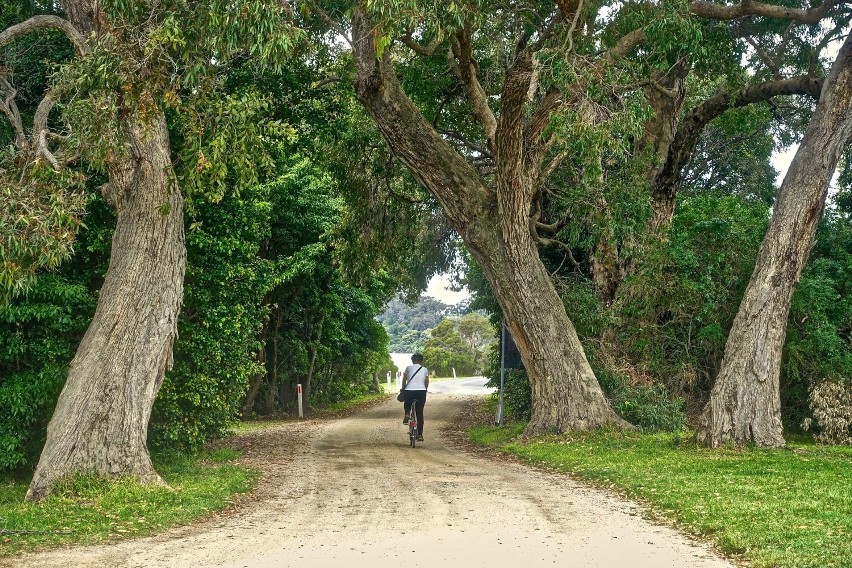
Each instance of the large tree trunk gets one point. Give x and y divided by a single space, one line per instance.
745 404
566 393
495 227
100 424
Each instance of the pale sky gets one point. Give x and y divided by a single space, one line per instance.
439 288
781 161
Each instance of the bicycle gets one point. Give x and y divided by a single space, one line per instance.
412 427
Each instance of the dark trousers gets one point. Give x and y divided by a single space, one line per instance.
418 398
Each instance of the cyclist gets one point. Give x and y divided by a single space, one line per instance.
415 382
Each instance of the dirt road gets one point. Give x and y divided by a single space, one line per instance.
350 492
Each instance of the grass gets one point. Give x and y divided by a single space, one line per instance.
773 508
92 510
262 423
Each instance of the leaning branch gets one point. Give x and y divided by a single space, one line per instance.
750 8
424 50
43 22
626 44
689 131
10 109
466 72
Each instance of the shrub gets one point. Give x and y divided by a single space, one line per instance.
216 350
650 406
831 405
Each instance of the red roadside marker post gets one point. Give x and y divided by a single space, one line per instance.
299 392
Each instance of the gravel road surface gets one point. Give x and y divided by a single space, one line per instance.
351 492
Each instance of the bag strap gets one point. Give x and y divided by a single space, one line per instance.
411 377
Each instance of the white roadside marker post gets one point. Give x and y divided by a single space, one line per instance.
299 391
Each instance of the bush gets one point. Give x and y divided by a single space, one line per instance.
39 333
831 405
649 406
216 349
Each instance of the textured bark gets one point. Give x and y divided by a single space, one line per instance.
751 8
744 404
494 225
100 425
666 100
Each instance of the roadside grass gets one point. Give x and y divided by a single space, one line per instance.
262 423
789 508
90 510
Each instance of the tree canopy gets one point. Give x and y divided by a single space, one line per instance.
215 202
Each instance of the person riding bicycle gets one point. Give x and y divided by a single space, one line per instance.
415 382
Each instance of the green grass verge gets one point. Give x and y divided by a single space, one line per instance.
90 510
778 508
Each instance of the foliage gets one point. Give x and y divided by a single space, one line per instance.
649 406
478 333
39 332
88 511
445 351
322 330
408 325
819 331
778 508
223 313
831 405
675 312
144 60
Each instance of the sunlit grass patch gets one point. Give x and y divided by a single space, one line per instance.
785 508
88 510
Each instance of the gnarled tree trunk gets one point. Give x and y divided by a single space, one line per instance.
100 425
495 227
745 403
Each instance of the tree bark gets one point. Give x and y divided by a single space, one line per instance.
314 347
494 225
745 403
272 384
100 425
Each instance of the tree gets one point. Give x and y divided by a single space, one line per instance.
478 333
134 63
745 405
487 185
445 350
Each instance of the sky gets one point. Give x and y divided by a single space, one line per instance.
781 161
439 288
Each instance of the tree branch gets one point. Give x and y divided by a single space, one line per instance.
465 71
326 81
456 135
43 112
451 179
45 22
689 131
10 109
750 8
626 44
541 117
424 50
44 151
767 60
